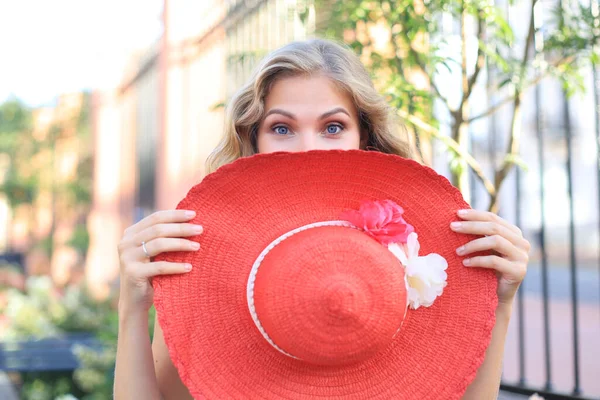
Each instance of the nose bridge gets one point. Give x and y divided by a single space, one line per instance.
308 140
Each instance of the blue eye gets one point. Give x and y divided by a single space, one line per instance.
281 130
334 129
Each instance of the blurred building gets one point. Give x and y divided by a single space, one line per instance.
154 130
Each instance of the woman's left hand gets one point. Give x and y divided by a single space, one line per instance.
510 251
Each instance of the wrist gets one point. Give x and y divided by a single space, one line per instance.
504 310
131 310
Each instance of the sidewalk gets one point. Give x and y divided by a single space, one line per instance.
561 345
511 396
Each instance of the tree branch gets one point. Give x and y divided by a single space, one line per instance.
453 145
511 98
515 125
480 56
419 145
423 68
513 143
397 60
529 40
464 76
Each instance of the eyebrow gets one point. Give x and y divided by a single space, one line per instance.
292 116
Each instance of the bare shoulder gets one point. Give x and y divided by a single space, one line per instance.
169 383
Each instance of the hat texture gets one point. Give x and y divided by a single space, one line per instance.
288 299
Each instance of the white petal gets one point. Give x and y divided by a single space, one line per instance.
399 252
435 262
413 245
413 298
426 278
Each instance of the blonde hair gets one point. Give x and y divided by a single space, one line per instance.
312 57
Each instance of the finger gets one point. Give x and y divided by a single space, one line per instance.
160 217
164 245
510 271
144 271
494 243
167 230
488 228
476 215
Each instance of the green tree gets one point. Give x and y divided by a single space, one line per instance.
18 184
404 44
28 164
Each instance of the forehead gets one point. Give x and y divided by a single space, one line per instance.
307 93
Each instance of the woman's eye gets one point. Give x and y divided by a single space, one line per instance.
334 129
281 130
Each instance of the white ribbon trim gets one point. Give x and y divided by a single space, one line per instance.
258 262
252 278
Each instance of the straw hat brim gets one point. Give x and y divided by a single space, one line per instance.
210 334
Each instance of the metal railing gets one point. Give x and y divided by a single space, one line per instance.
573 367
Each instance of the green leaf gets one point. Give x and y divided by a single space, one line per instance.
457 165
218 106
494 56
505 82
502 30
595 59
80 240
516 160
15 117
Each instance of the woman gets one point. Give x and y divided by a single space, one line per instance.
305 96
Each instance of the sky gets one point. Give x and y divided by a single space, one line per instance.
60 46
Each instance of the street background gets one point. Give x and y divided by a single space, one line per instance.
108 111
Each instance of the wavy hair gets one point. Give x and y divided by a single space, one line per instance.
245 110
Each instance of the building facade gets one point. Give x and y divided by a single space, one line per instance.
155 128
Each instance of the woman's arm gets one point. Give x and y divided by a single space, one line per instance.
487 382
134 372
508 256
144 371
136 375
169 383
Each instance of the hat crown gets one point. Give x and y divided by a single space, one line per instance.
329 295
340 299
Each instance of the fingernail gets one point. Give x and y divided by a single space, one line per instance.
197 229
190 214
467 261
462 213
195 246
188 267
455 225
460 250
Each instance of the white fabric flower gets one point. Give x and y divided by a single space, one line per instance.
425 276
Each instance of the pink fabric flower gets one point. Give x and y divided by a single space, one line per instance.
381 220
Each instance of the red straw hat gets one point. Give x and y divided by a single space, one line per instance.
310 283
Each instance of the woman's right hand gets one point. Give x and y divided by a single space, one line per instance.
161 232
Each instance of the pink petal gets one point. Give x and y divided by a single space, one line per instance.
372 213
381 220
355 218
